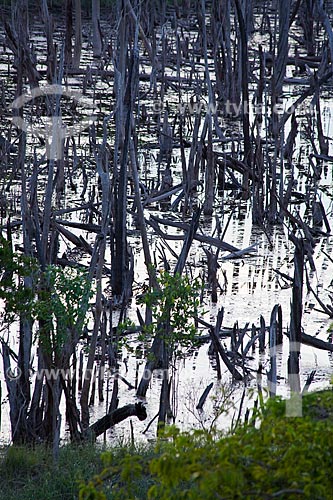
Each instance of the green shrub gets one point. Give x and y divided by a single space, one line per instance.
285 458
174 303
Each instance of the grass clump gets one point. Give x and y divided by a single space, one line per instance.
29 474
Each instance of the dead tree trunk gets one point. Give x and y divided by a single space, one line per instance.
306 18
78 35
209 172
100 246
68 33
280 61
245 99
214 333
273 342
120 285
51 52
296 315
97 34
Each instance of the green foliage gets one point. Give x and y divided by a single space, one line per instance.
288 458
58 306
14 270
57 298
125 474
174 304
122 340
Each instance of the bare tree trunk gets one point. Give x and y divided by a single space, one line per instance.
306 16
209 173
46 250
78 35
245 99
100 246
121 285
51 53
92 348
281 60
97 34
296 315
68 33
325 20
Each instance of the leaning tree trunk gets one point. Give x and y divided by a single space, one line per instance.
114 417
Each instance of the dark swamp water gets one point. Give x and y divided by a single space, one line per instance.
174 136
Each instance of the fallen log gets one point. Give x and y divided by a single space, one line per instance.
241 253
90 228
162 195
79 242
199 237
314 342
110 419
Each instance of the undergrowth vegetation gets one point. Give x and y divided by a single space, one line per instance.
273 456
28 474
279 457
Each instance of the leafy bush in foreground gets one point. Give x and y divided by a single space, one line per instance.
285 458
